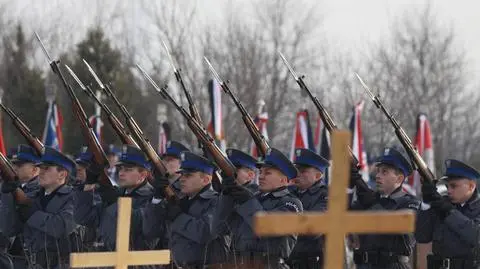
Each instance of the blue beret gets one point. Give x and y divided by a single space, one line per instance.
174 149
240 158
132 155
55 157
192 162
25 154
393 157
275 158
307 157
11 152
456 169
84 157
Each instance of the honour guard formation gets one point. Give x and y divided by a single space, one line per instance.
196 204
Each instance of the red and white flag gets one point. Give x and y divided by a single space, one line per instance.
302 133
260 120
2 142
424 145
163 137
216 123
358 148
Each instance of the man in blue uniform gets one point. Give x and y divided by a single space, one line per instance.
451 223
189 220
246 168
238 205
133 170
385 250
48 220
313 193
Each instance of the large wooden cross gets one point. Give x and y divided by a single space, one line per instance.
336 222
122 258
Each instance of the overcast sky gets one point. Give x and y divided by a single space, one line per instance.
350 25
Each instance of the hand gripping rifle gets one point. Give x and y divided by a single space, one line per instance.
415 157
137 133
258 138
121 131
217 154
8 175
98 154
32 140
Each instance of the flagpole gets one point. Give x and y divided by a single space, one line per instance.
2 142
50 92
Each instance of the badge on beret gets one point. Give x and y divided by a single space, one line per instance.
19 148
269 151
182 156
169 143
298 152
110 147
229 152
447 163
124 149
84 150
387 151
14 156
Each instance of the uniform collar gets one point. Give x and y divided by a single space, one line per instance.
473 202
397 193
144 189
280 192
206 193
316 187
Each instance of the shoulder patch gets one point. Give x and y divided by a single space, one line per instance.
292 205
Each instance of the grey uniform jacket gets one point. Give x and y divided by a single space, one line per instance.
313 199
189 234
91 212
397 244
237 220
49 227
457 236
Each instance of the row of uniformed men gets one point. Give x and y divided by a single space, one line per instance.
205 227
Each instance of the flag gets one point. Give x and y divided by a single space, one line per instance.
163 137
302 133
358 148
216 123
2 142
322 145
52 134
260 120
97 124
424 146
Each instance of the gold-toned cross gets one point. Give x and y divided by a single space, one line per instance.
122 258
336 222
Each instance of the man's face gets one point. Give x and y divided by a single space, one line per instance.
244 175
193 182
112 159
51 176
387 179
130 176
172 164
307 176
81 172
25 171
270 179
460 189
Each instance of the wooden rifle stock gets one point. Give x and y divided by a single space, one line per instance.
32 140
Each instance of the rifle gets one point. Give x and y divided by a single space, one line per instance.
415 158
137 133
258 138
8 174
326 119
121 131
32 140
98 154
217 154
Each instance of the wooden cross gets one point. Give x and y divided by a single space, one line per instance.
122 258
336 222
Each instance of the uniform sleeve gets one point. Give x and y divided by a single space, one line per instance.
220 225
10 223
88 208
466 228
197 229
424 225
153 224
57 224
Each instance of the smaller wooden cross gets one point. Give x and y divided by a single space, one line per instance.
336 222
122 258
